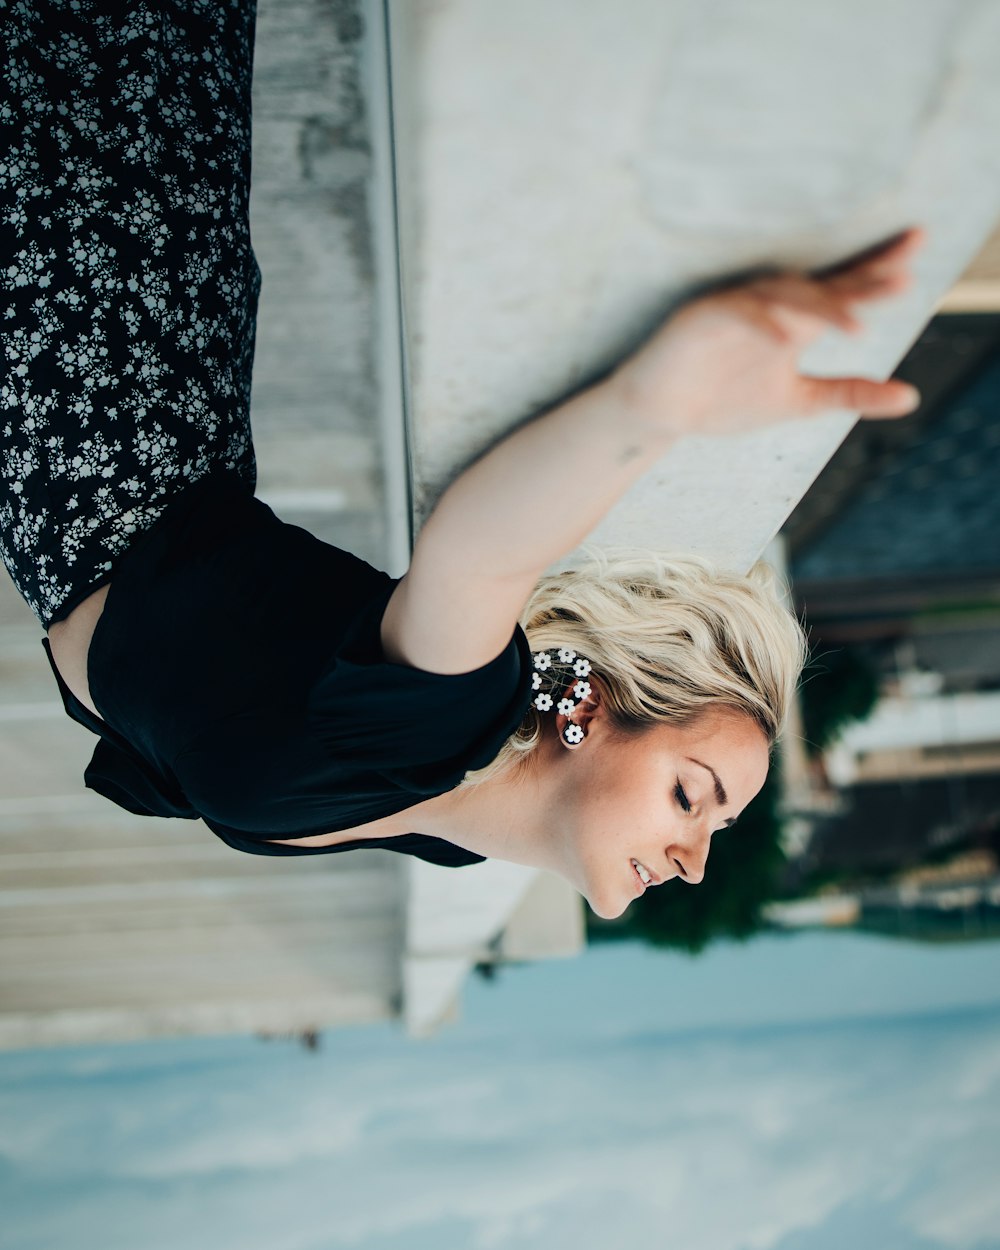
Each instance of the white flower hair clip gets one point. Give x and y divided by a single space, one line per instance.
554 670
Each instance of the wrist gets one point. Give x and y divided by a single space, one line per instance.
651 409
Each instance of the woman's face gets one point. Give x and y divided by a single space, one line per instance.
655 797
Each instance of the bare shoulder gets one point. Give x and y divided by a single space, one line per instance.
443 620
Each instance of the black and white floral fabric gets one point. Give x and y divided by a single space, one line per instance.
129 283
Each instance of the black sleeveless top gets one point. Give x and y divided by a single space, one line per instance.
238 670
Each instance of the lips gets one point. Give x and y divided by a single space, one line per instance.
650 876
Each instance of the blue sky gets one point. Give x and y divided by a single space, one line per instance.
810 1092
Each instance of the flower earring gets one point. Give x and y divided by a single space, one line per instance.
554 671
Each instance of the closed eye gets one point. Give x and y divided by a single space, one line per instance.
682 798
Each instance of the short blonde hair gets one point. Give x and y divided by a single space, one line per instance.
668 637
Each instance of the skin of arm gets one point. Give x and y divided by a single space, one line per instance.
724 364
526 502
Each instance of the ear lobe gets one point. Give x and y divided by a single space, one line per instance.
583 711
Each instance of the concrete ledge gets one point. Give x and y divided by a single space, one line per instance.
567 172
484 913
296 1015
452 914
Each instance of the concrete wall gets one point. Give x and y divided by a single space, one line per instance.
317 390
569 170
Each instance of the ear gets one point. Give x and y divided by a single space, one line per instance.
586 712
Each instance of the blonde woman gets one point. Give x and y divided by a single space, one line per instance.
602 723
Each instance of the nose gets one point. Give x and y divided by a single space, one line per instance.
688 858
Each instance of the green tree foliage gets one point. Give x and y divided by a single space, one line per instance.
838 687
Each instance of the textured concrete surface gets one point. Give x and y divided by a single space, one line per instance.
115 928
568 172
316 391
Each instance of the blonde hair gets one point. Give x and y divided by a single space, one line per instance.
668 638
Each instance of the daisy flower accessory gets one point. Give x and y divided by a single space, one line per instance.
554 671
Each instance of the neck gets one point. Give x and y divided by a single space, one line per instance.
505 817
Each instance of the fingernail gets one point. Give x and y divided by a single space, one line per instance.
911 397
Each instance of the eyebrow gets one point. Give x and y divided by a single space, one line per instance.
720 790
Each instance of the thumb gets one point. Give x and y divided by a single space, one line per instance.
863 395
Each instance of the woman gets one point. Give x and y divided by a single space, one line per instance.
299 701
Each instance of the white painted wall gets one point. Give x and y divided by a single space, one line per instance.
953 720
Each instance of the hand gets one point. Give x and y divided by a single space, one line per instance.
726 363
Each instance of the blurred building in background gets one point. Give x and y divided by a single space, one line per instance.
895 559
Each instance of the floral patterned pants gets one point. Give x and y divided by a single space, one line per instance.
129 282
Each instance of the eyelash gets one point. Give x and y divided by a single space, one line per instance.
682 798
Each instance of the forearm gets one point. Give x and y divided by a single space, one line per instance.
538 493
724 364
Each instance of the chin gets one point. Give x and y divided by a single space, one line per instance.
607 909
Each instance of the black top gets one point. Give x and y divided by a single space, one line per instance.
238 670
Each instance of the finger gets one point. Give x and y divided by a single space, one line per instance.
761 314
878 279
873 398
813 299
899 250
855 286
872 282
892 252
863 290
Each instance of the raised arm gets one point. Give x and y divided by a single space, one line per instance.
725 363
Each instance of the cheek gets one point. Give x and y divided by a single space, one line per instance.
603 828
608 822
602 852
